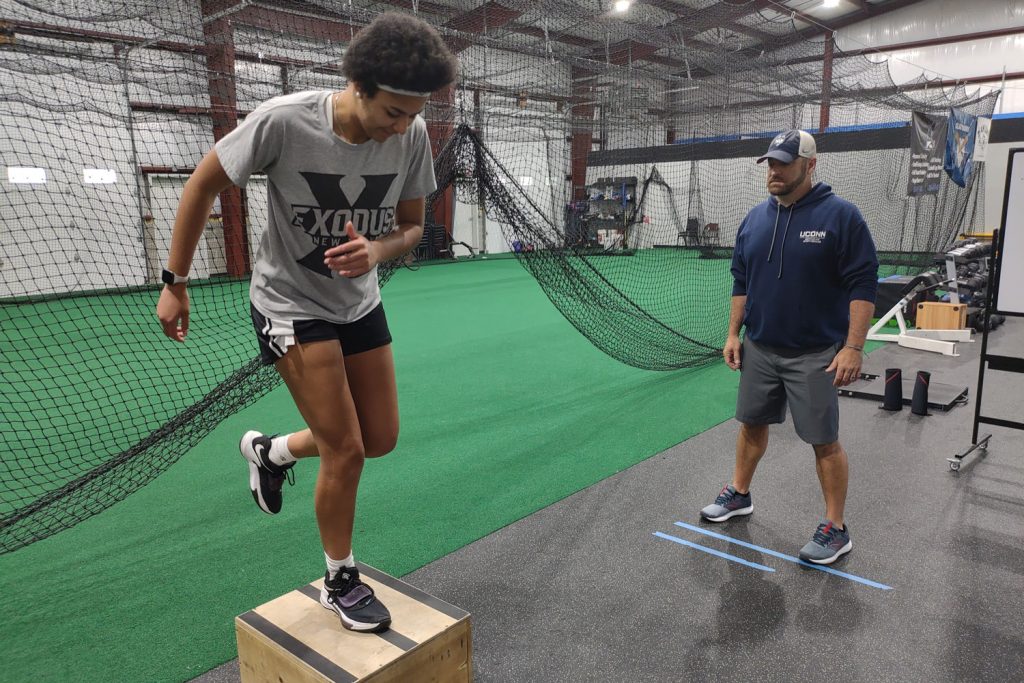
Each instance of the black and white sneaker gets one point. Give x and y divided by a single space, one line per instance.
354 602
265 478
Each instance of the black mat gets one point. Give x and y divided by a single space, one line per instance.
940 396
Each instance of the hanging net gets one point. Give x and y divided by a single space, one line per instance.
612 155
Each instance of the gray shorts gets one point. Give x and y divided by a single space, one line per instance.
770 378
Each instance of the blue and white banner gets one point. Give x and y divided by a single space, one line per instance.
960 133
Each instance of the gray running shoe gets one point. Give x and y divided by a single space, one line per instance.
728 504
828 545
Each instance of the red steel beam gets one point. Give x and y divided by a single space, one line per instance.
220 68
87 35
484 17
582 111
750 31
826 82
423 6
161 107
439 130
557 36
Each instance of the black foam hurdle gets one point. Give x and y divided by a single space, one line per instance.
919 403
893 397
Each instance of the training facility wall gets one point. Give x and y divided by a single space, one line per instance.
995 181
943 19
729 187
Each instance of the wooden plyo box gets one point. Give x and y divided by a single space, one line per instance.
935 315
294 639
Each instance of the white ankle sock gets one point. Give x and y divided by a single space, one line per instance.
279 453
334 566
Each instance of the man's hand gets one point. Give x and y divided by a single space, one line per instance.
356 257
172 310
731 353
846 365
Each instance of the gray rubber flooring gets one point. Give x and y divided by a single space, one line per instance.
585 590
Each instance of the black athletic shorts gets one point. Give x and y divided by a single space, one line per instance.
275 336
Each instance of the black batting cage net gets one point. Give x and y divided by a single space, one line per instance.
613 155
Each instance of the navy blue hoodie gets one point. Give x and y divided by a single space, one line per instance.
800 267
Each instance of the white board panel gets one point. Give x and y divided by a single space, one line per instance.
1011 272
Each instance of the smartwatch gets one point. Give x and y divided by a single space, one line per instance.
171 278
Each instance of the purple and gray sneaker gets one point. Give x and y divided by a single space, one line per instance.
354 602
728 504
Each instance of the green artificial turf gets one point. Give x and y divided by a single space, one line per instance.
505 409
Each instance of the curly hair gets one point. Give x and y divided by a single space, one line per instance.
399 51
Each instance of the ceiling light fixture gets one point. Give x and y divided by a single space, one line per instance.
830 3
622 5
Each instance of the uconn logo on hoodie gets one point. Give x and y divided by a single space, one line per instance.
812 236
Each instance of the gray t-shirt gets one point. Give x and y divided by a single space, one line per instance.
317 182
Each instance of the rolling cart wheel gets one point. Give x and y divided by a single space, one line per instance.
954 466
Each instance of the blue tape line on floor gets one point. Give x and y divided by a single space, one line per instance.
712 551
788 558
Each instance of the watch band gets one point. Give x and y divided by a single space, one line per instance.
169 277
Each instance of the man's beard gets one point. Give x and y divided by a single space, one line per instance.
789 187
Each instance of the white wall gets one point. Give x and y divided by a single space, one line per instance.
66 235
995 187
932 19
65 109
936 19
167 78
